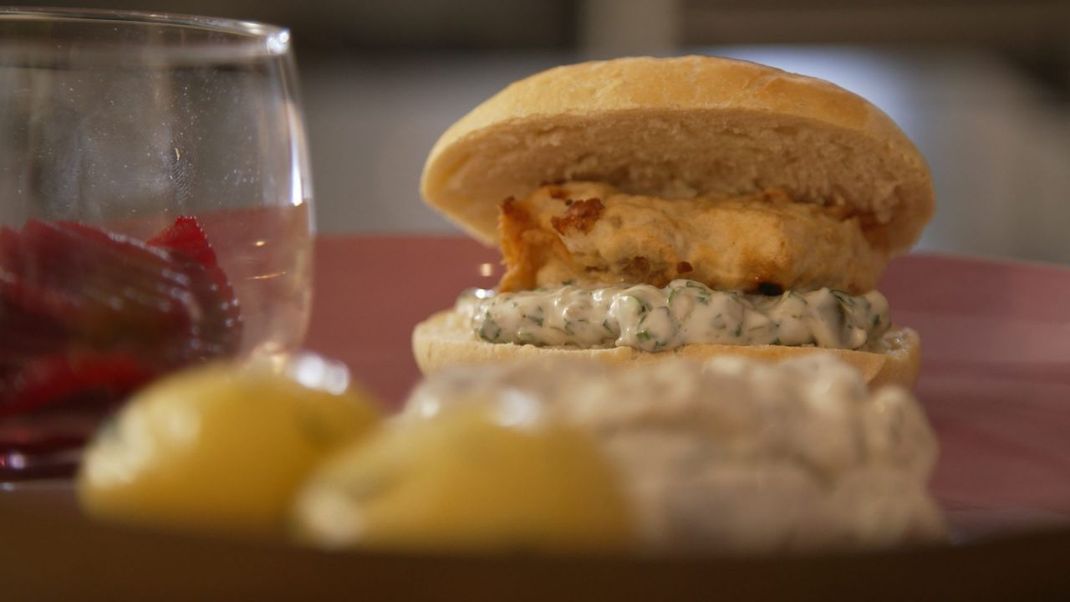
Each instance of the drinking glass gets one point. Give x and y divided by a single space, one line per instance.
154 212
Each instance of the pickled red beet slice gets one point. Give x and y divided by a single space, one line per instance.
87 314
51 379
27 333
105 289
112 290
186 236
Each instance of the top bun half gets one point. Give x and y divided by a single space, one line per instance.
679 128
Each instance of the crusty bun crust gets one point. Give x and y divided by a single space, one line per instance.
445 339
680 127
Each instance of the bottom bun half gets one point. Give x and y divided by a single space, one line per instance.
445 339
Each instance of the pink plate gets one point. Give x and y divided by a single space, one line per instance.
995 376
995 381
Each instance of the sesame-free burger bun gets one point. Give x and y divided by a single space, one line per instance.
677 128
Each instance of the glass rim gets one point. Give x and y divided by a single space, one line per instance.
252 29
223 40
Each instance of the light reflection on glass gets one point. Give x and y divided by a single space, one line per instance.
316 372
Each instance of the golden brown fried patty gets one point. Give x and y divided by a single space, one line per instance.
591 234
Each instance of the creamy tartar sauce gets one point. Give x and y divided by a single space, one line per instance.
684 312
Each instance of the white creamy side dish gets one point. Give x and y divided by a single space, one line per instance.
684 312
731 454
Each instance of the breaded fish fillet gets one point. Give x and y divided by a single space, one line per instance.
591 234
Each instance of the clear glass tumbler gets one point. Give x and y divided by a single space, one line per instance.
154 212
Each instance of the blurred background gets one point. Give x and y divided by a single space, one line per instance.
982 86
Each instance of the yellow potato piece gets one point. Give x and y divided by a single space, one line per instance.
216 449
466 482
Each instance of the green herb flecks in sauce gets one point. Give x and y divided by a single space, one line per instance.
685 312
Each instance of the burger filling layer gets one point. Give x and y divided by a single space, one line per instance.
685 312
592 234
